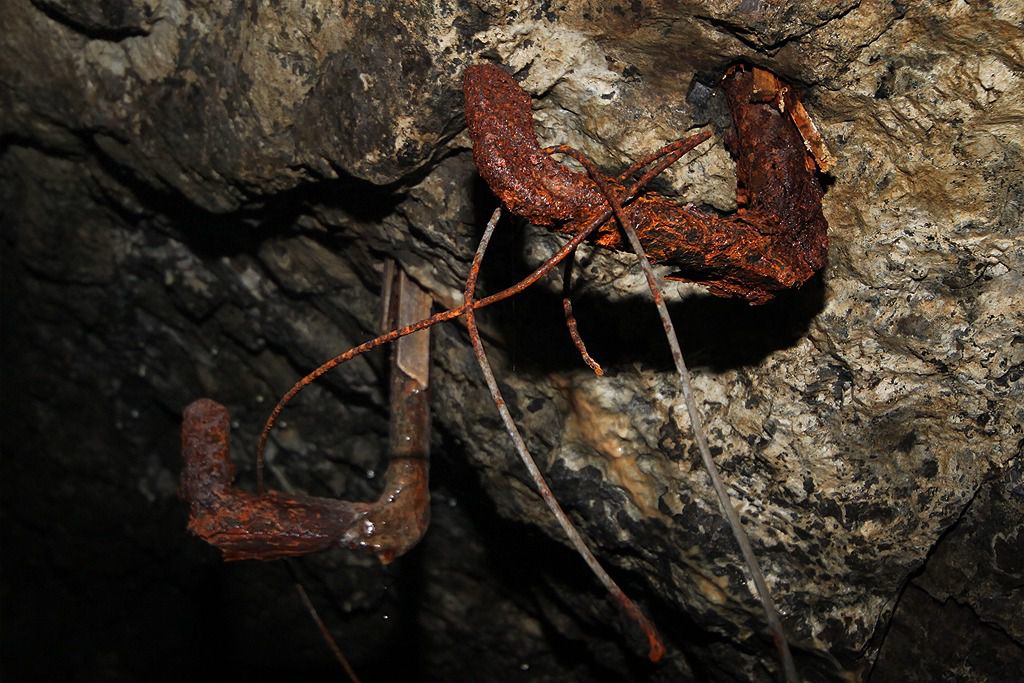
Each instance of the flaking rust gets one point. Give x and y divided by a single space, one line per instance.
271 525
776 240
244 525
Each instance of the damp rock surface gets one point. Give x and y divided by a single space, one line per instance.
197 200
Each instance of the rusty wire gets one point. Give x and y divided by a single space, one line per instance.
656 647
726 504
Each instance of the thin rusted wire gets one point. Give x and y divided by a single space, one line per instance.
725 501
355 351
657 648
668 155
326 634
314 614
570 318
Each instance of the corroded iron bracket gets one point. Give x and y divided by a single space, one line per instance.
271 525
776 240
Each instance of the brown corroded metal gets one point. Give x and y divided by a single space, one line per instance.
775 240
271 525
244 525
402 513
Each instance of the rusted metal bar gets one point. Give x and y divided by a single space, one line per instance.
244 525
776 239
402 513
272 525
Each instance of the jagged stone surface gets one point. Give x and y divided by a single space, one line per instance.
197 201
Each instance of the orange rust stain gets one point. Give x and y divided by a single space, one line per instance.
606 431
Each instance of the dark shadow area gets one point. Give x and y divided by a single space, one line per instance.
715 333
211 234
961 614
934 640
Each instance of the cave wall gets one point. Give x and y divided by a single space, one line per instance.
198 199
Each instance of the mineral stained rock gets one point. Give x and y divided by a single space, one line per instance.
197 199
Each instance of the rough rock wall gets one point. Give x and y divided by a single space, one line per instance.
197 200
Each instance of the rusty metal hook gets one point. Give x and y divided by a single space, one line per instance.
271 525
